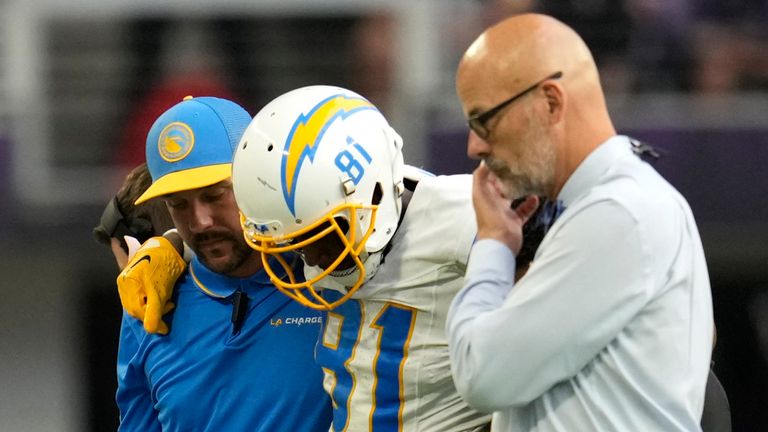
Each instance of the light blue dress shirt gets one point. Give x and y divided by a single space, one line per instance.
611 328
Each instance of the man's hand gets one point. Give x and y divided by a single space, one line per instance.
121 257
146 283
496 219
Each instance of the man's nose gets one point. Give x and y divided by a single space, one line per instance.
477 148
202 218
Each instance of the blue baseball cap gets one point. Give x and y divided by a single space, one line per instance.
191 145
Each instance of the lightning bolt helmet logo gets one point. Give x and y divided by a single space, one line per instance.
307 133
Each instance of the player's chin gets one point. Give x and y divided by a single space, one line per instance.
219 263
226 257
216 257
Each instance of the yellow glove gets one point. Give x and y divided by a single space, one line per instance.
146 283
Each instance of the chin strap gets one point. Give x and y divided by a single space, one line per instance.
349 277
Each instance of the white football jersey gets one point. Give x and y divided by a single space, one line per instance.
384 352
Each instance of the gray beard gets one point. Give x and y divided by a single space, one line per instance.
534 179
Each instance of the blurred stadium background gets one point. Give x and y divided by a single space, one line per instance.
81 80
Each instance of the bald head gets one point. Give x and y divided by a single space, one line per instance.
523 50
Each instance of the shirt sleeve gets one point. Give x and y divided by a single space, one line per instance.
134 398
510 345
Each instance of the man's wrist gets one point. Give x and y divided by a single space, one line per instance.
173 236
504 237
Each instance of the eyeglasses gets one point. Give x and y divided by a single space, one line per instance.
477 122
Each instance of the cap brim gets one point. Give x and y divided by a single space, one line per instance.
193 178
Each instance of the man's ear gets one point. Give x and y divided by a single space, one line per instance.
555 96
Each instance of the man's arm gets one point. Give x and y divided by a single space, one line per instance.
134 398
144 286
577 296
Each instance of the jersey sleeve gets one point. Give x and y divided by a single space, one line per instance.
463 217
134 399
466 239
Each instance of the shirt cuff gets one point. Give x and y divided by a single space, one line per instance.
493 260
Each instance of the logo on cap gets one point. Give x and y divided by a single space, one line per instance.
175 141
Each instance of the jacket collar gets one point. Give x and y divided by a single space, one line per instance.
593 167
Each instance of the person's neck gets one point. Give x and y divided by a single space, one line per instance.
579 143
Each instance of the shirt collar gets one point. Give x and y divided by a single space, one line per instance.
590 170
221 286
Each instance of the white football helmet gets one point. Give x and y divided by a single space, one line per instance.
313 162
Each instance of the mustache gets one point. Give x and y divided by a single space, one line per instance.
211 236
514 184
498 167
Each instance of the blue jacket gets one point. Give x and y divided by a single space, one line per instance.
202 377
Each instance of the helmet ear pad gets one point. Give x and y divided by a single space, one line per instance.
378 193
388 191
